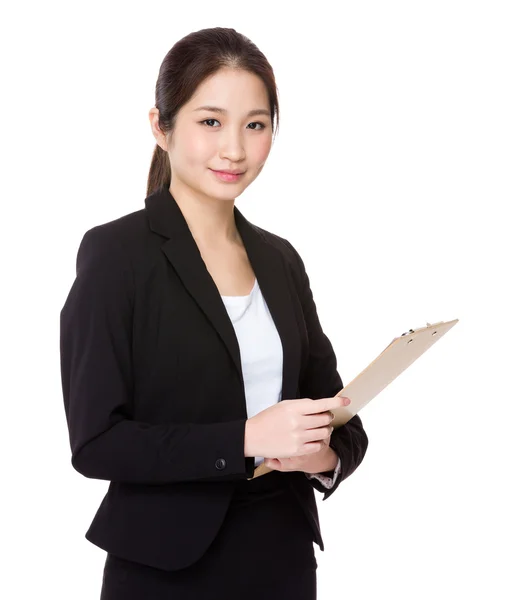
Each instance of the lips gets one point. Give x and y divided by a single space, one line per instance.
227 176
228 172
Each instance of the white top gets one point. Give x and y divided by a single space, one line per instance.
261 357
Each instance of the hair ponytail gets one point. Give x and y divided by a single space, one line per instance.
159 171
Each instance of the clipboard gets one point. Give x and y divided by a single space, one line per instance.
387 366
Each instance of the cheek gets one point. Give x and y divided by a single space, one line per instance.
197 150
261 150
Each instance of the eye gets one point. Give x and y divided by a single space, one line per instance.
205 121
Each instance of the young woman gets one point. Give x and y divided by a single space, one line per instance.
191 351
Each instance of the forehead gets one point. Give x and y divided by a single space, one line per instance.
231 89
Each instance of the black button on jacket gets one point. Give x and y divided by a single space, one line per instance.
153 387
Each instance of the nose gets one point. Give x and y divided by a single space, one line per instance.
232 147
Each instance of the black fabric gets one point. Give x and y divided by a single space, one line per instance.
153 386
264 550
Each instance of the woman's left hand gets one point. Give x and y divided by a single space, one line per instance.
317 462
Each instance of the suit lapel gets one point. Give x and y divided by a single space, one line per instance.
180 248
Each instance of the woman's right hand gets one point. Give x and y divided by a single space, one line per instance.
291 427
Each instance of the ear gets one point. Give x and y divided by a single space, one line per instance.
158 134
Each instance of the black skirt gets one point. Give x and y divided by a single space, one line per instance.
264 550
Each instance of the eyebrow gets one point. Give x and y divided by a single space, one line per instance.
252 113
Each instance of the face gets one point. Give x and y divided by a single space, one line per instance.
204 141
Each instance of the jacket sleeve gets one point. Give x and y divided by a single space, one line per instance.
321 379
328 478
97 383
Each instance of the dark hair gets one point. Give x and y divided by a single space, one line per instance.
191 60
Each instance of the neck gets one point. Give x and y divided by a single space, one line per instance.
210 220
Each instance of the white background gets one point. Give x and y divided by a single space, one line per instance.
388 176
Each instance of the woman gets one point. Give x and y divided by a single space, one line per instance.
191 350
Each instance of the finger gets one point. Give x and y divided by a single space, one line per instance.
317 434
318 420
343 400
326 404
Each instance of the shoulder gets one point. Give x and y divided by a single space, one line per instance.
114 240
286 248
120 231
280 243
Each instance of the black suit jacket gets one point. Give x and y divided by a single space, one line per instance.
153 387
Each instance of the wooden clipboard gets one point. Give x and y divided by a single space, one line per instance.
387 366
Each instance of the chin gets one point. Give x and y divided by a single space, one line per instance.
217 193
228 190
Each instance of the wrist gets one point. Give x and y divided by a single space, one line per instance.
331 460
247 439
